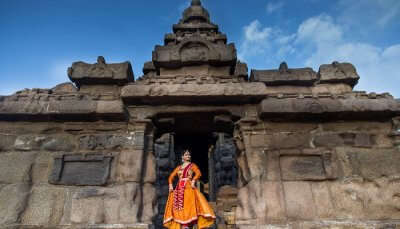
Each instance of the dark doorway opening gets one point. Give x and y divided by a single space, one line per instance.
199 145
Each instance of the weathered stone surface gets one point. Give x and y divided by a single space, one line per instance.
100 73
290 140
126 204
379 107
13 199
323 201
341 139
16 167
41 168
107 141
237 92
65 109
299 200
285 76
45 206
262 201
302 167
374 163
338 73
136 166
92 169
194 50
241 70
64 88
64 143
6 141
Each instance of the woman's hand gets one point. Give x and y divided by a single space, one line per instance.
171 188
193 184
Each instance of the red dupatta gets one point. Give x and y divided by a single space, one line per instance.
180 188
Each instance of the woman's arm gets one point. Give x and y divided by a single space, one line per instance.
197 174
171 178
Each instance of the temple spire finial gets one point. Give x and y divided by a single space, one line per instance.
196 3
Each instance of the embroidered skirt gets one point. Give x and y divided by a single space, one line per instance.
195 209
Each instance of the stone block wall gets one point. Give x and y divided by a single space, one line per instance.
75 175
338 174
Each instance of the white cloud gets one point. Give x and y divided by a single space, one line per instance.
255 40
254 32
365 14
320 40
274 6
319 29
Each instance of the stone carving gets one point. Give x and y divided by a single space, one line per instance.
308 167
338 73
100 73
285 76
194 52
93 169
165 156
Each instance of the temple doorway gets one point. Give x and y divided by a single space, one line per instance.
213 150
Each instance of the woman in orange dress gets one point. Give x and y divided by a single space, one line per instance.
186 206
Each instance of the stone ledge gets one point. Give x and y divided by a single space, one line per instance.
63 109
329 107
193 93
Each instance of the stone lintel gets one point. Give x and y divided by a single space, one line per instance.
233 93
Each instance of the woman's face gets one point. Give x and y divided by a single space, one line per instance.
186 156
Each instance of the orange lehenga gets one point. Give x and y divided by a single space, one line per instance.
186 205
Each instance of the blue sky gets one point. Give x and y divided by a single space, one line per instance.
39 39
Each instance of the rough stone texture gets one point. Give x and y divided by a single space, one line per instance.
136 166
327 106
261 201
6 141
188 92
13 199
100 73
338 73
59 107
16 167
371 164
341 139
299 200
64 88
106 142
129 203
45 206
92 169
285 76
302 168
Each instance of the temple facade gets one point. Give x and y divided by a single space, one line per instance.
278 149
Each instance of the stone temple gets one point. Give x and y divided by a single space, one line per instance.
283 148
